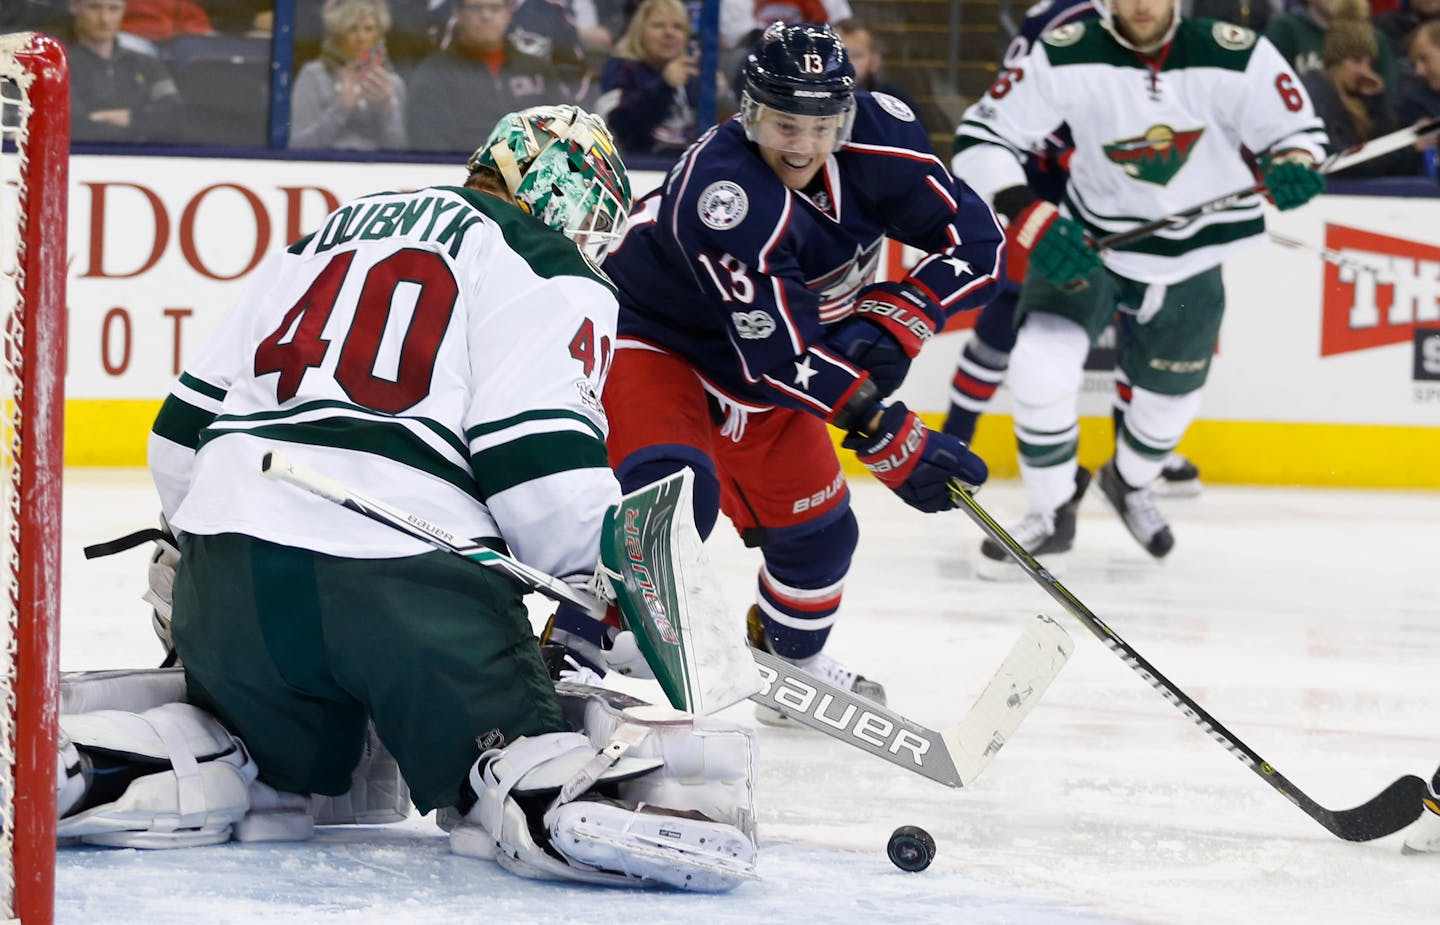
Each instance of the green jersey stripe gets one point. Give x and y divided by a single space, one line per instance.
535 456
483 430
391 440
181 422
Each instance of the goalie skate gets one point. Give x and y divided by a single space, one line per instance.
684 850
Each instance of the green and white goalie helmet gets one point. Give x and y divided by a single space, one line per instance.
560 164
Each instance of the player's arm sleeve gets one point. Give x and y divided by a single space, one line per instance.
771 319
940 215
535 427
1278 114
196 397
1014 116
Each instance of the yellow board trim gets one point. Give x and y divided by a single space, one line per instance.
112 432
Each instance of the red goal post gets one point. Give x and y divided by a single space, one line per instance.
34 152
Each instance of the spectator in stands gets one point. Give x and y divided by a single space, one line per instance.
458 94
1252 14
546 29
864 51
1300 36
36 15
1349 95
650 87
242 17
116 95
162 20
349 98
1420 92
1399 25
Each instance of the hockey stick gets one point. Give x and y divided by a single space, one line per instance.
1376 147
1392 810
954 757
1329 255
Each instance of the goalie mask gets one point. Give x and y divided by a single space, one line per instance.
799 93
560 164
1137 9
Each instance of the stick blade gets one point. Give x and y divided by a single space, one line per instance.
1393 809
1019 683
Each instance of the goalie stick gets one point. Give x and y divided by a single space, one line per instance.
954 757
1396 807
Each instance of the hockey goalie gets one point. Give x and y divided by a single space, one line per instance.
307 635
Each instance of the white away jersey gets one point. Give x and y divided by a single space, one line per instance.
439 350
1151 138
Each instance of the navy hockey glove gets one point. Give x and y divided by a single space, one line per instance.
1055 247
1291 178
916 463
892 321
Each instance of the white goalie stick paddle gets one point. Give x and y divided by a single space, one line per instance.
1391 810
953 757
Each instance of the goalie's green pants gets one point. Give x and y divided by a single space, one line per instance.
292 650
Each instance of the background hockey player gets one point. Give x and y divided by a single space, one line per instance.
986 354
749 320
1160 110
424 347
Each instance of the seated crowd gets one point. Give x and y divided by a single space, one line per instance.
387 74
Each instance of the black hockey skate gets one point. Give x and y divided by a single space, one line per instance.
1039 534
1180 478
1136 507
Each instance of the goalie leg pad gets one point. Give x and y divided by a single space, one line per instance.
197 790
132 690
685 821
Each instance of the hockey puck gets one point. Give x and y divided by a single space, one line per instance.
911 848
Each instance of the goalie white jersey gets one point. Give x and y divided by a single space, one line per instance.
441 337
1152 137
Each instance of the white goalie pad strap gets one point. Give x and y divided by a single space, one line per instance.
131 690
709 763
193 803
497 825
69 778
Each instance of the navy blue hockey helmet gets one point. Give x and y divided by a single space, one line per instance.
801 71
801 68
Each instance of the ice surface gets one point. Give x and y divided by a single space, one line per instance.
1306 621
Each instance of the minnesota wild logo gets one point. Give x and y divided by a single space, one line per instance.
1156 156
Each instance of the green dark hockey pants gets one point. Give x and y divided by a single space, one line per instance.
292 650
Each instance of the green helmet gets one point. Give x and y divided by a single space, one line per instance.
560 164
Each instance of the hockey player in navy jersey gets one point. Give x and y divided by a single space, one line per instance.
986 355
750 320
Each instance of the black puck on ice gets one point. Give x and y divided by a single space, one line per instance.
911 848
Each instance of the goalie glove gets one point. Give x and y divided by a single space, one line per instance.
1291 178
916 463
160 594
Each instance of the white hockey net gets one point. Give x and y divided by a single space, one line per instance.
34 142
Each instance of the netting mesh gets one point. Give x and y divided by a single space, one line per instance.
15 112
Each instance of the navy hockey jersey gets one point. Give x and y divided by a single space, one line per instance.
741 276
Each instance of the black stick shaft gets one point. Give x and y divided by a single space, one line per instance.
1392 810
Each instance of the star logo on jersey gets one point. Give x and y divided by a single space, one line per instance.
1156 156
804 372
961 267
